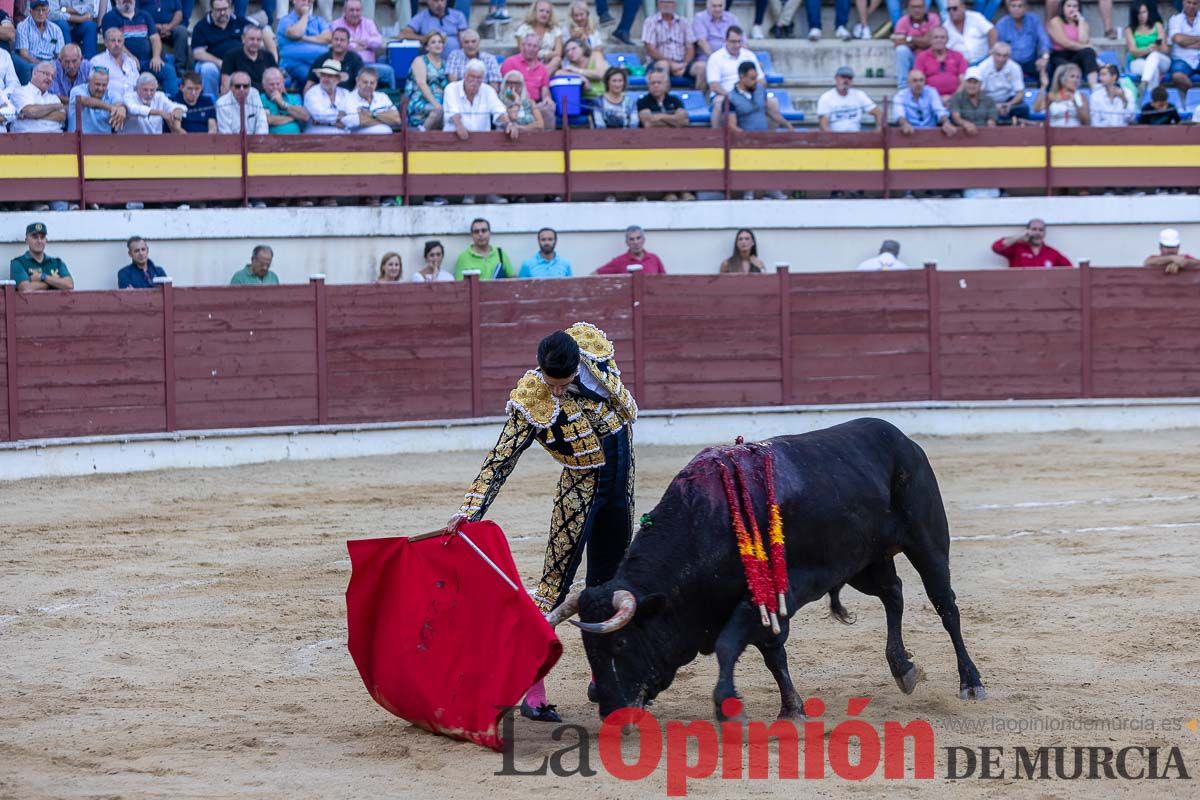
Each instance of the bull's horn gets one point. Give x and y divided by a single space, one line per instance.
566 609
625 604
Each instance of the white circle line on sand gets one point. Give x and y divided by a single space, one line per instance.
52 610
1098 501
983 537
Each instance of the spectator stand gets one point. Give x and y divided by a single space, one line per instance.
167 359
179 169
1186 104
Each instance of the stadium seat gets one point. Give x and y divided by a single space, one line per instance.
630 63
697 107
764 60
1108 57
1185 109
790 113
1030 96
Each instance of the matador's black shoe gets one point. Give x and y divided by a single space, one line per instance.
544 713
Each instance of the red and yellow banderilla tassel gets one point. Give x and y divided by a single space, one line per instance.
775 534
757 577
768 603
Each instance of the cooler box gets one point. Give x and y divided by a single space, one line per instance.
567 91
400 56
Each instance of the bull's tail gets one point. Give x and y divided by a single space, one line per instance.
837 610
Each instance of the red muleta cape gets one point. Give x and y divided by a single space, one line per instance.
439 638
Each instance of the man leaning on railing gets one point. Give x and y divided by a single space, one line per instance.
474 107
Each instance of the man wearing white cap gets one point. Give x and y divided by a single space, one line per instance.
1169 257
841 109
971 108
887 260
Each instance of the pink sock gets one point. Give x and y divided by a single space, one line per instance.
536 696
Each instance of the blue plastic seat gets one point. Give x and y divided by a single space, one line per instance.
1185 109
1108 57
627 61
624 60
764 60
1030 96
790 113
696 106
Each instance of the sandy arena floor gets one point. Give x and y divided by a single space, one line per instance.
182 634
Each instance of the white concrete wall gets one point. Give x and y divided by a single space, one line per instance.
208 246
696 427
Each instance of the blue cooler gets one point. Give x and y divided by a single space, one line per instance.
567 91
400 56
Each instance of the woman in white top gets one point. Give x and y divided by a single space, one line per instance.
391 268
582 25
541 22
1064 105
432 271
1112 104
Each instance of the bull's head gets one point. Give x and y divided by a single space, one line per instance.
624 639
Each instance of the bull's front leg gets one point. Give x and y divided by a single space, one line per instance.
742 627
774 653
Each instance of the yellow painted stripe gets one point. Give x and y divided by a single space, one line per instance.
289 164
38 166
162 166
683 159
524 162
1157 155
833 159
936 158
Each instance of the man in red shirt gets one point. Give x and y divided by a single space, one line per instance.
1030 249
537 79
1169 257
635 240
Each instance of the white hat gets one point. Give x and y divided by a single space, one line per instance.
973 74
1169 237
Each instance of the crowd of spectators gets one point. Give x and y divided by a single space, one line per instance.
36 270
706 51
157 73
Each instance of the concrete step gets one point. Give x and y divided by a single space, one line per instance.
389 12
796 58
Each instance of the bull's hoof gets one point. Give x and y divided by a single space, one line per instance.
909 680
591 692
740 718
795 714
972 693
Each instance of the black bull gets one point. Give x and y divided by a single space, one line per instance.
852 497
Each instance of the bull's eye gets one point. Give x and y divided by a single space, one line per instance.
619 644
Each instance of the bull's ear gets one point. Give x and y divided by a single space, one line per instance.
651 604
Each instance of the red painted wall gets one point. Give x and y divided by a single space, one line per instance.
109 362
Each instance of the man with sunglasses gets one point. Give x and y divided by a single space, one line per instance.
576 407
492 262
229 108
971 33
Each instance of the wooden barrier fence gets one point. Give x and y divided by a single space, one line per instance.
569 163
112 362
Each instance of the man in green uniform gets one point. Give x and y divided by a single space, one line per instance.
34 271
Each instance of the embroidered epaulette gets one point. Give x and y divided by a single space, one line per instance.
593 343
533 400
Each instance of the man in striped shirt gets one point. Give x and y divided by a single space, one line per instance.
671 44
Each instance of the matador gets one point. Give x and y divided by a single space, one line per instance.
576 407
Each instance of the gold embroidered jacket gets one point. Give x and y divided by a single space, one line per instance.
570 427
